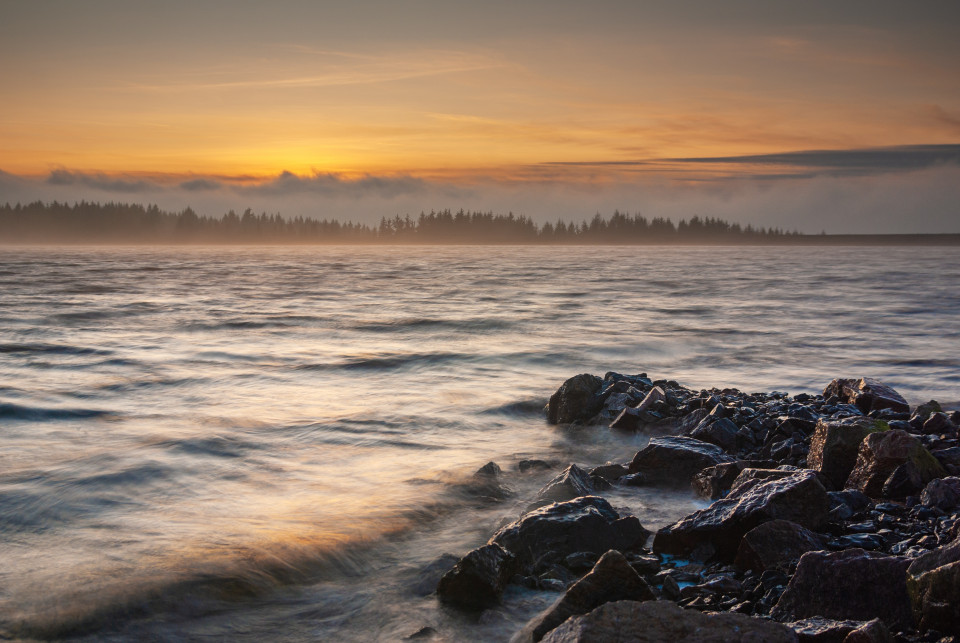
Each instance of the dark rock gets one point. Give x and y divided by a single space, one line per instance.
645 565
581 561
904 481
848 585
870 632
588 523
721 432
775 544
424 633
933 582
428 577
834 447
675 460
924 411
628 420
867 394
751 477
690 421
533 465
576 400
718 529
611 472
657 621
943 493
818 629
870 542
715 481
948 457
572 483
611 579
881 453
478 579
634 480
491 469
937 424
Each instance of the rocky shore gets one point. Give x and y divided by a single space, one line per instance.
834 517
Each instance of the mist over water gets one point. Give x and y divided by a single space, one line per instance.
252 443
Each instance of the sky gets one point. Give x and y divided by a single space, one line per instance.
835 116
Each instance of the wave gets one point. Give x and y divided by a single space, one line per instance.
238 325
520 408
9 411
388 362
54 349
473 325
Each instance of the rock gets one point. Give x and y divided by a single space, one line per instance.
611 579
715 481
904 481
658 621
717 530
948 457
775 544
867 394
479 578
610 471
576 400
424 633
533 465
923 411
490 469
937 424
676 460
428 577
848 585
881 453
818 629
933 583
834 447
628 420
943 493
751 477
870 632
721 432
572 483
587 523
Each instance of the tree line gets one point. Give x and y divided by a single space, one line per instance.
87 222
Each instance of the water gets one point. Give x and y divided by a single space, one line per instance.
266 443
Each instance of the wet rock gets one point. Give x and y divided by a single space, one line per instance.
533 465
867 394
937 424
870 632
717 530
881 453
656 621
715 481
490 469
610 471
628 420
904 481
844 504
572 483
676 460
634 480
775 544
933 583
721 432
426 580
848 585
588 523
943 493
581 561
576 400
425 633
479 578
834 447
948 457
823 630
611 579
923 412
751 477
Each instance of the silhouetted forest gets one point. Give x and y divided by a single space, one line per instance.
86 222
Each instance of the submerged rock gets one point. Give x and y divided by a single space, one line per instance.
676 460
553 532
611 579
715 532
479 578
658 621
848 585
576 400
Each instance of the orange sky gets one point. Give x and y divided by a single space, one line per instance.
227 89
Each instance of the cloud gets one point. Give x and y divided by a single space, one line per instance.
905 157
197 185
337 186
98 181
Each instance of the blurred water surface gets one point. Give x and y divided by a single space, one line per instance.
252 443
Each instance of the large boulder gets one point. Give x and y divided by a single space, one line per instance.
776 544
715 532
611 579
586 524
867 394
658 621
942 493
880 455
676 460
933 583
478 579
572 483
719 431
848 585
577 400
834 447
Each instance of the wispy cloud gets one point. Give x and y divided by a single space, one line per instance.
98 181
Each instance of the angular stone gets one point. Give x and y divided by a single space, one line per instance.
933 583
715 481
572 483
587 523
715 532
479 578
721 432
658 621
775 544
576 400
818 629
848 585
870 632
942 493
867 394
881 453
610 471
939 423
611 579
751 477
676 460
834 447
